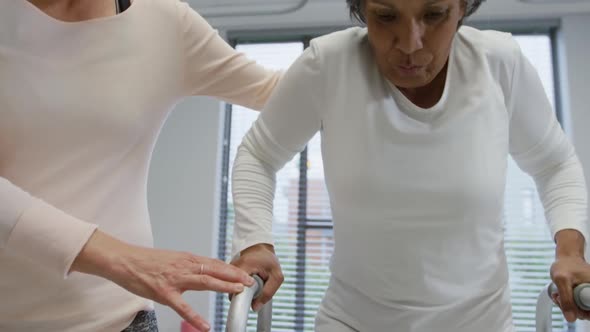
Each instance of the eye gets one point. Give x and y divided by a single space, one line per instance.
434 16
385 17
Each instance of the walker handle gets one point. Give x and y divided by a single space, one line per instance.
581 295
237 317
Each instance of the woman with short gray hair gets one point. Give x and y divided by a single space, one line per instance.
418 116
356 8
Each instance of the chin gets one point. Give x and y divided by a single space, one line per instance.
409 83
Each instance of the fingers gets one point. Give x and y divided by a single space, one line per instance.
187 313
205 282
271 286
226 272
585 315
582 314
566 298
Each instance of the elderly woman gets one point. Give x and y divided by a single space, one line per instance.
418 116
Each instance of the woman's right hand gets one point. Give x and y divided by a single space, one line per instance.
159 275
260 259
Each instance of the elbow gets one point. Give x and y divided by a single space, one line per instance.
267 89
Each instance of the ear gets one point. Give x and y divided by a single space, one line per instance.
362 11
462 8
462 12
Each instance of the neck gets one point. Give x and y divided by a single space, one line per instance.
55 3
76 10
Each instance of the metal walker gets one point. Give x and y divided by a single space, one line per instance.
240 307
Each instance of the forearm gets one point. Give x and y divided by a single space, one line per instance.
101 255
13 202
159 275
34 230
563 191
569 243
253 187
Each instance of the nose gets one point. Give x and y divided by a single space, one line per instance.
409 37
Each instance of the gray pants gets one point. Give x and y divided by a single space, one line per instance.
145 321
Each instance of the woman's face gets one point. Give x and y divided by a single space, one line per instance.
411 39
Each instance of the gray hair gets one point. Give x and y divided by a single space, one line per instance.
356 8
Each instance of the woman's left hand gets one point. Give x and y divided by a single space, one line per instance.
567 272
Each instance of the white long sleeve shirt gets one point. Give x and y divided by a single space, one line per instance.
416 194
81 106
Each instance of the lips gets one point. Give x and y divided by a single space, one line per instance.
409 67
409 70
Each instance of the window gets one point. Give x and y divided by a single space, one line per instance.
303 222
286 309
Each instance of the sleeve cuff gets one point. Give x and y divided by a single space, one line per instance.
49 237
241 244
582 228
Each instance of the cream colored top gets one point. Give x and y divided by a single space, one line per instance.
81 106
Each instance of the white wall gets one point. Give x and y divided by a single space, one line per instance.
185 169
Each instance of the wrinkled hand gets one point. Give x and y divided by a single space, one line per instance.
260 259
567 272
159 275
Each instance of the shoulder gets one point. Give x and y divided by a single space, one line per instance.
336 41
497 47
341 51
493 52
341 43
169 9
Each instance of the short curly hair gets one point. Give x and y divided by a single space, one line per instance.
356 8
